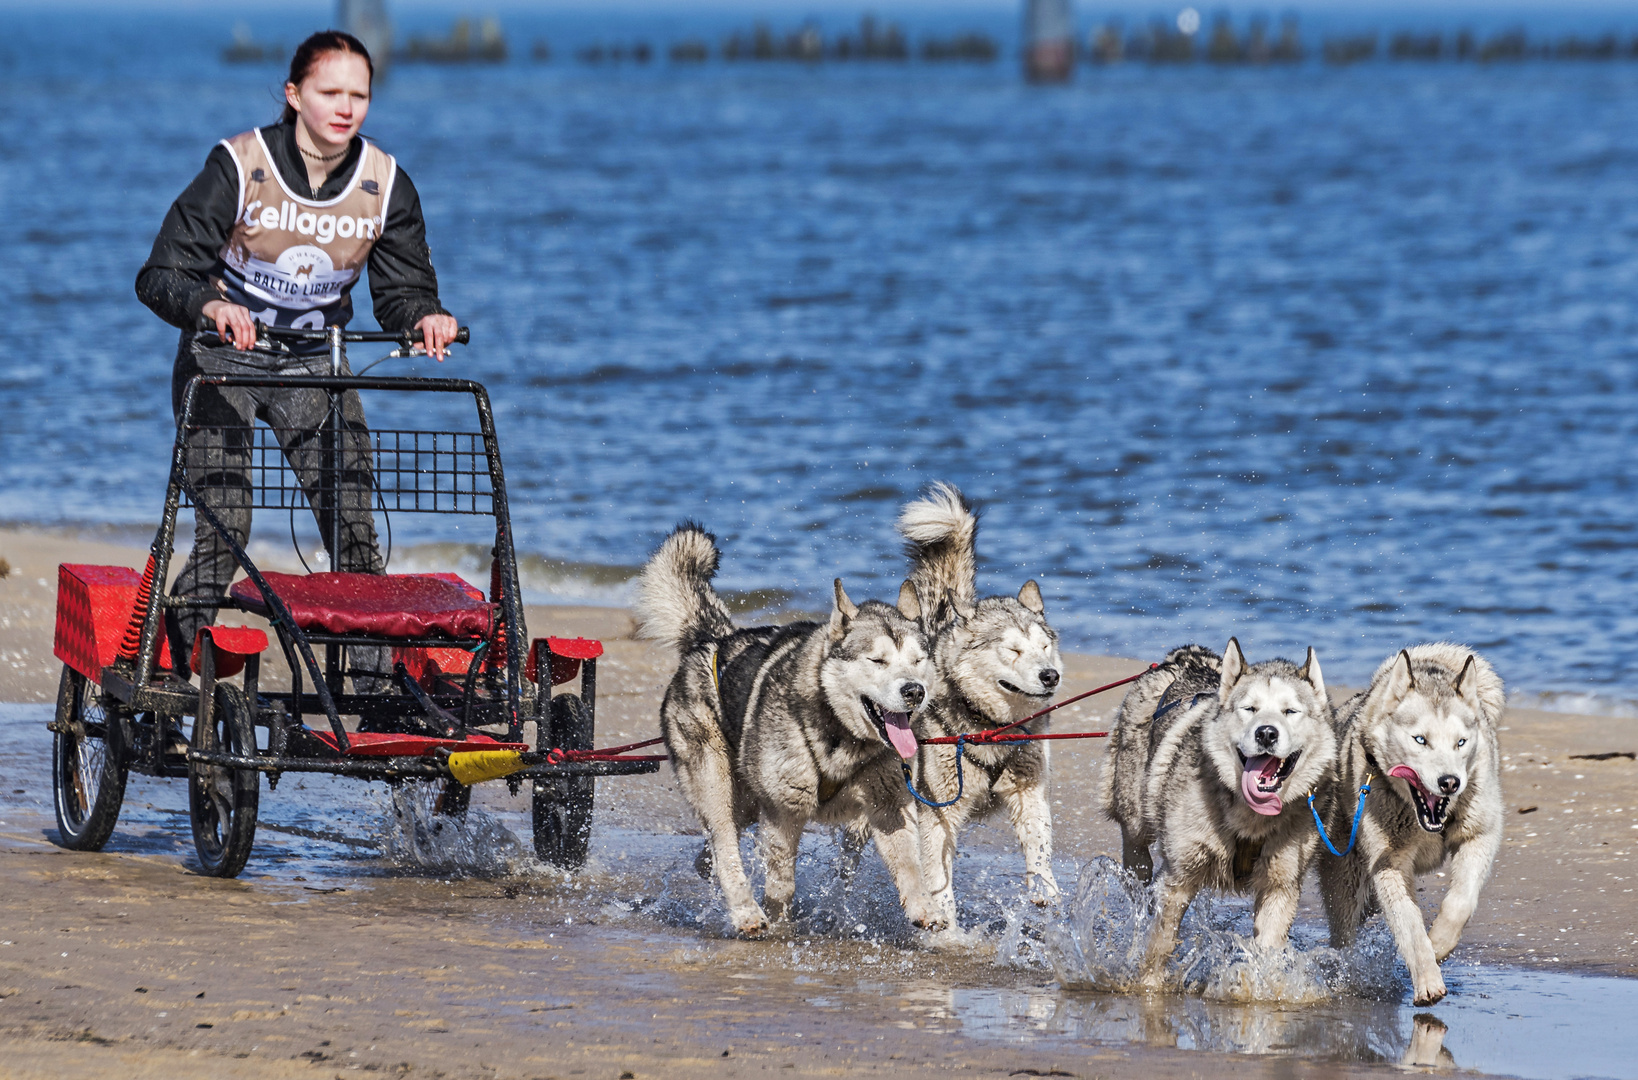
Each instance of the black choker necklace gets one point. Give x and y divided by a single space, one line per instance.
320 157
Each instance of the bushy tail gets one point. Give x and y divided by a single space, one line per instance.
675 602
941 534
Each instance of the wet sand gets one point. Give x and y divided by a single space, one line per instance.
505 977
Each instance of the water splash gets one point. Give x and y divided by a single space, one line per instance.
416 833
1098 941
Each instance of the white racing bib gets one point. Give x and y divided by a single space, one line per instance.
291 260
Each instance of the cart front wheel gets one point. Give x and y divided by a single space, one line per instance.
563 806
88 766
222 801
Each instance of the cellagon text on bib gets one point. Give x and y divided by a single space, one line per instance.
289 259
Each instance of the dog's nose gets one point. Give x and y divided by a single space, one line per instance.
1449 785
1049 677
1267 736
913 694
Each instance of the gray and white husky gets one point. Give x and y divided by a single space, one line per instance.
1210 757
997 661
788 724
1426 730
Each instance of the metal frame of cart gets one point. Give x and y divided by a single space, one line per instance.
460 679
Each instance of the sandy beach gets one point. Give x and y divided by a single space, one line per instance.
128 964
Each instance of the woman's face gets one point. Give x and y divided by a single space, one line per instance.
333 99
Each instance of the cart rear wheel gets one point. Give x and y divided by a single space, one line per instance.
222 801
88 766
563 807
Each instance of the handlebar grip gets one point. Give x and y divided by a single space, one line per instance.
463 336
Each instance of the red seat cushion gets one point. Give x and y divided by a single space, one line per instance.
383 605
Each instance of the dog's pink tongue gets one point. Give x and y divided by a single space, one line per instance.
1267 803
1405 772
899 733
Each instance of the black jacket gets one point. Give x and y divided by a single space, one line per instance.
175 282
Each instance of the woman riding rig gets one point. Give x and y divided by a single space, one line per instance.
275 229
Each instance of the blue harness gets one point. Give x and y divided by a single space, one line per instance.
1353 834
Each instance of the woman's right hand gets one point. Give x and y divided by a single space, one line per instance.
233 323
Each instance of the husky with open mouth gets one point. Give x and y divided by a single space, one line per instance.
1211 758
997 661
1426 731
809 721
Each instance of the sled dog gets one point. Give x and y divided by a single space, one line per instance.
997 662
1425 733
788 724
1211 759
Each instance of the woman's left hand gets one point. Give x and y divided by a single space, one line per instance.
437 331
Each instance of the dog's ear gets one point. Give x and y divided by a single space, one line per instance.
1311 672
1467 684
1401 681
1030 597
1234 666
957 610
842 613
909 601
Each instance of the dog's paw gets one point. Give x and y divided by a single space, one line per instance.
750 922
1431 992
927 916
1042 890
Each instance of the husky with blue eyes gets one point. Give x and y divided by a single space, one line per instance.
1426 732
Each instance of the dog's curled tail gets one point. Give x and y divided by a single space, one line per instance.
675 602
941 536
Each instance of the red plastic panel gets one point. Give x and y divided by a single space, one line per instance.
233 644
386 744
567 653
425 665
387 605
575 648
93 606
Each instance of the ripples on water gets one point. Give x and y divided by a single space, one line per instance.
1340 357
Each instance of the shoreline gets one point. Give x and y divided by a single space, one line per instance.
1563 898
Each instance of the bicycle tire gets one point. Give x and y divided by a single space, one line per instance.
88 763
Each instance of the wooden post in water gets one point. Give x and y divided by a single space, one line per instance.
1049 41
367 21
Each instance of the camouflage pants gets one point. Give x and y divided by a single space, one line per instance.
221 463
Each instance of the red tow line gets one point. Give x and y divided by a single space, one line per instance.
556 756
992 735
1002 735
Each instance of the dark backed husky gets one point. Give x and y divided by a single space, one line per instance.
997 661
788 724
1216 774
1426 730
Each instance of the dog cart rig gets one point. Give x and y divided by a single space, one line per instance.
455 674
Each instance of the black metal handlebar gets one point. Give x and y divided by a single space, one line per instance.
404 338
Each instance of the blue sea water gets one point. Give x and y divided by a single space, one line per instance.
1341 357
